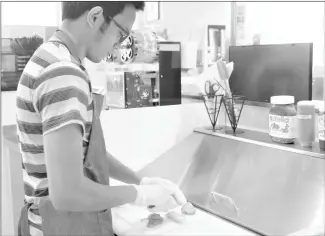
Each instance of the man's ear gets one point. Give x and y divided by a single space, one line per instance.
95 17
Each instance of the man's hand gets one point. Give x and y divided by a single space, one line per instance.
120 172
177 193
161 198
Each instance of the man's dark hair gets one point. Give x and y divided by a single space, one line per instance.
73 10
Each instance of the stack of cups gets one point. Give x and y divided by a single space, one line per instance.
306 123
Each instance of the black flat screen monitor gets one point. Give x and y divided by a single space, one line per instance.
263 71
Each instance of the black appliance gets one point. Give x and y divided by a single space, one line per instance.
263 71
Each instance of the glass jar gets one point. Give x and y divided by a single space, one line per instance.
321 128
282 119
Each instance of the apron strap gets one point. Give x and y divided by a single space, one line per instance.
23 225
78 64
66 46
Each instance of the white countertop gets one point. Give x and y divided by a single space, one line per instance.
127 222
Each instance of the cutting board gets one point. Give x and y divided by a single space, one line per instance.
127 221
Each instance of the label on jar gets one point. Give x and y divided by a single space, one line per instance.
321 127
282 126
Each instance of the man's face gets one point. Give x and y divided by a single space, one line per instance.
103 37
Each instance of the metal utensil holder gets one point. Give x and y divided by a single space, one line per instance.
213 104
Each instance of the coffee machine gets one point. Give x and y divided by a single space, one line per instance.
147 72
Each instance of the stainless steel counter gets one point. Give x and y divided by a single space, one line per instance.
267 188
263 139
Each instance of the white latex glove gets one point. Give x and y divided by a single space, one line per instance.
178 194
156 195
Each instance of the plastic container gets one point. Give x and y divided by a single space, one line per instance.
321 127
282 119
319 106
306 123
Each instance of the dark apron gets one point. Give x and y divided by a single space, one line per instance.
78 223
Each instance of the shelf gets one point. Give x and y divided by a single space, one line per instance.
263 139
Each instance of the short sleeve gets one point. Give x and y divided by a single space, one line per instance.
62 96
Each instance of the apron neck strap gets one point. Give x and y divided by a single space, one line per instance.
67 41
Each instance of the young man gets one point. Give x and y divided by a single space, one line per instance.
65 164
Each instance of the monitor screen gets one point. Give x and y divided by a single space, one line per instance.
263 71
8 63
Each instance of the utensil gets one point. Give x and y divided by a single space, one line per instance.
224 76
222 68
211 89
219 83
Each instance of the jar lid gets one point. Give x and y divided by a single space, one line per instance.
282 100
306 103
306 107
319 106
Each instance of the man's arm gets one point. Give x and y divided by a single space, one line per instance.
62 101
69 189
121 172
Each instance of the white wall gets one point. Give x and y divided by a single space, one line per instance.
286 22
187 20
30 13
20 19
138 136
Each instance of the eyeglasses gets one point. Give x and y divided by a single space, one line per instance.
125 34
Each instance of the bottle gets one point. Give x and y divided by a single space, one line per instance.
282 119
306 123
321 127
319 106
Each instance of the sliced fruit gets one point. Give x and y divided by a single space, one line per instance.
174 216
188 209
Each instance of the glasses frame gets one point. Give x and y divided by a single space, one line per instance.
125 31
